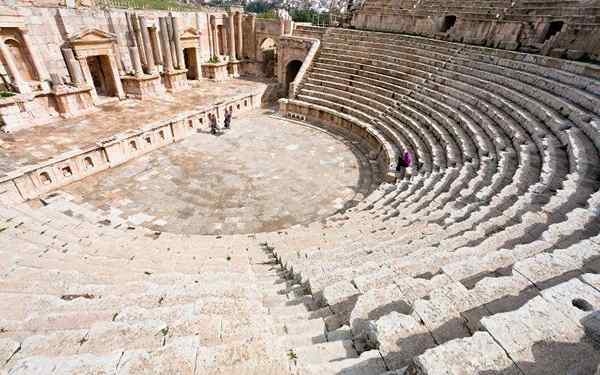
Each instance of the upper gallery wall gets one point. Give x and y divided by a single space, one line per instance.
552 27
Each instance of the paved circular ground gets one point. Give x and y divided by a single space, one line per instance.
262 175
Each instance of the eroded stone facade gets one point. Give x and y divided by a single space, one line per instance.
62 62
555 28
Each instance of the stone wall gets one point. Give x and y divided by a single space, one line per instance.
557 28
293 48
92 53
50 28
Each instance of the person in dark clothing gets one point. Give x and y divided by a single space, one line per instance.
227 120
212 119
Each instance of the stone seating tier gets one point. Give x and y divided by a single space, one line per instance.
440 272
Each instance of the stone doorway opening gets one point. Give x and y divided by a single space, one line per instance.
101 75
191 63
554 28
291 71
95 51
448 23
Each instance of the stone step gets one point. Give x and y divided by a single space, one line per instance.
323 352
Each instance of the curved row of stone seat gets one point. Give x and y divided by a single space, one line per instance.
356 84
71 304
426 313
501 306
559 219
566 80
420 263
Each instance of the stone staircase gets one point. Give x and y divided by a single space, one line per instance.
482 258
496 225
76 302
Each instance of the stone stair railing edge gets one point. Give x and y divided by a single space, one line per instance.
306 65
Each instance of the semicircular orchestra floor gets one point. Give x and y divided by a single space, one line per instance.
264 174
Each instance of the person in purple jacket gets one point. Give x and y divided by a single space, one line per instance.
404 162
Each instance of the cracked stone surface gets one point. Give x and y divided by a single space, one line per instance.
264 174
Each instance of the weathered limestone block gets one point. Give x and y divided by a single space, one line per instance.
176 81
57 343
368 363
461 270
496 295
8 347
340 297
9 193
398 297
373 305
543 267
177 357
79 364
399 338
591 279
478 354
441 313
217 72
108 337
542 340
244 357
573 298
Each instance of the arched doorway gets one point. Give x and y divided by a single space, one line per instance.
291 71
268 56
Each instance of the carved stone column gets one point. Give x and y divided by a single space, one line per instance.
240 41
135 60
231 34
87 75
138 37
20 85
166 48
252 47
40 69
177 41
116 77
211 47
172 49
73 67
215 33
150 65
156 42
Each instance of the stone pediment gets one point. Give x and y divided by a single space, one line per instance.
190 33
92 36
